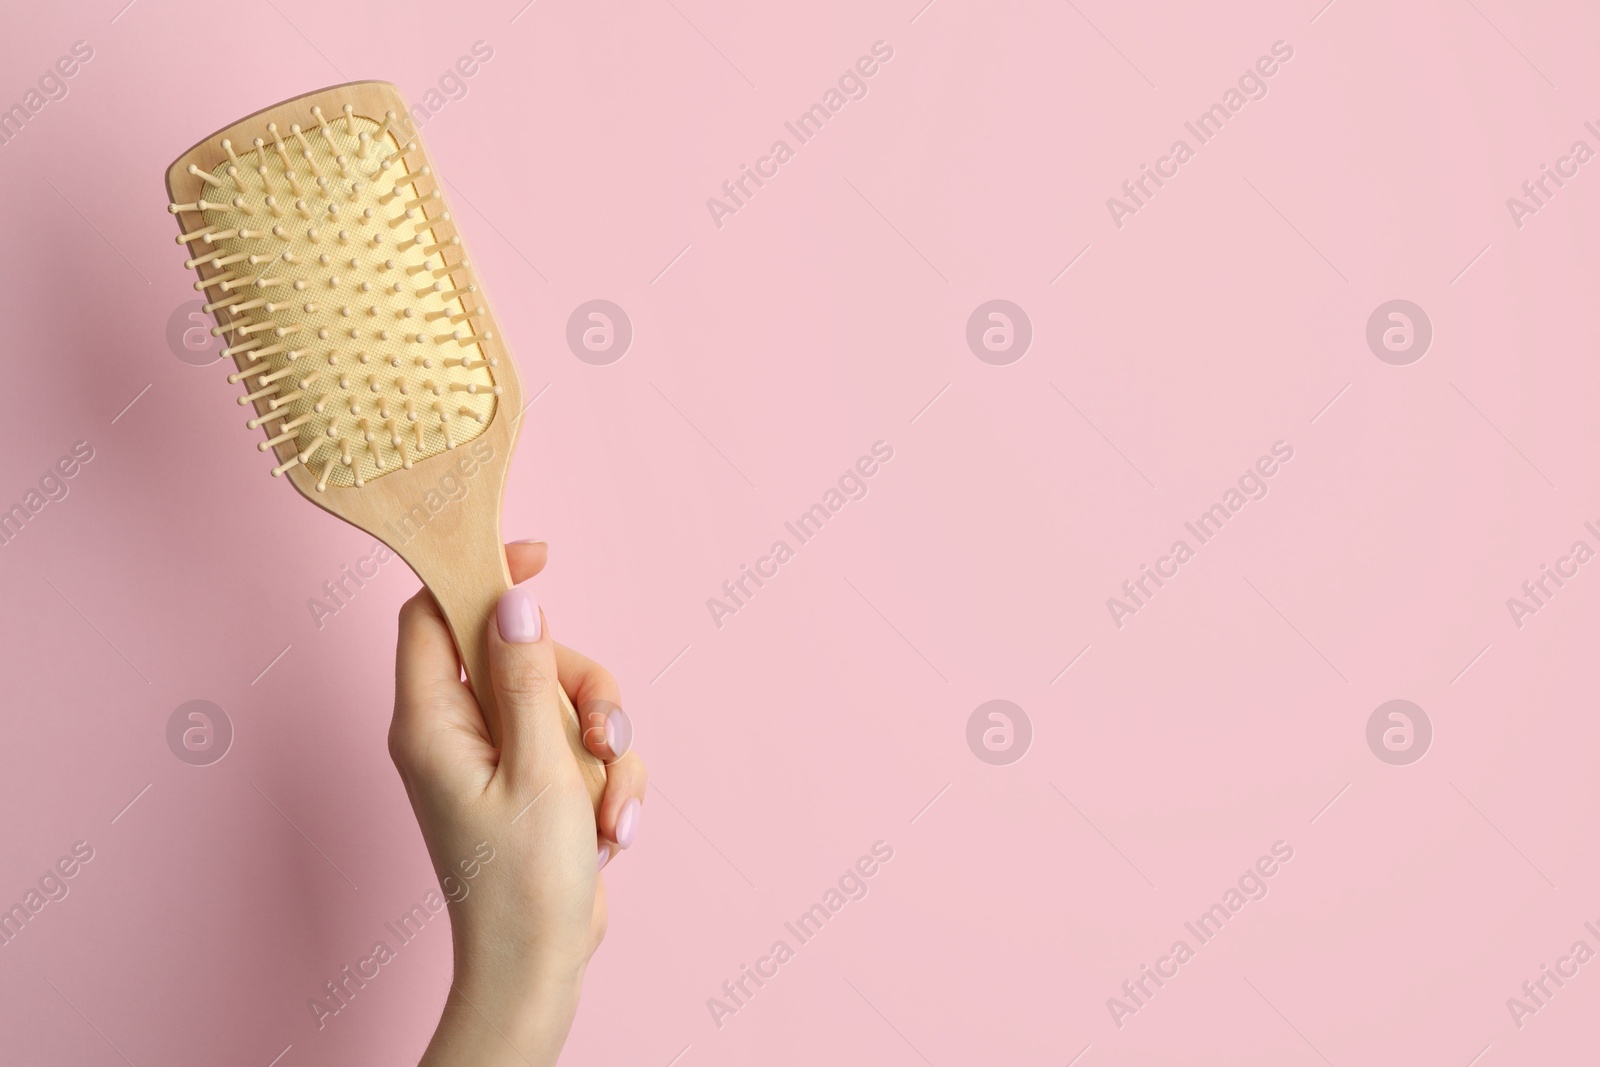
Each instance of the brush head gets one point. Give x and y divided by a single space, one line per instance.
342 289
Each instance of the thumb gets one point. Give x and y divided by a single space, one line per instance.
522 665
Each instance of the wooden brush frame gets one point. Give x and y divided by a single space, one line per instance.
457 552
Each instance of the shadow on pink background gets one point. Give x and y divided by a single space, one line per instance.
1174 343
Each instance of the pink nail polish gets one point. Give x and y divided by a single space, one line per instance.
518 615
608 732
603 859
619 731
628 823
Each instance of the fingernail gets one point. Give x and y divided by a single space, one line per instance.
613 725
518 615
529 541
619 732
603 859
628 823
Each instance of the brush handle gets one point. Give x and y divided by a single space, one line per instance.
463 564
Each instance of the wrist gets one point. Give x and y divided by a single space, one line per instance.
497 1015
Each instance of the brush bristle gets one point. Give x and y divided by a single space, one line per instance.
335 289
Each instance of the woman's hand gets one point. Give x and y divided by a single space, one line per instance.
512 834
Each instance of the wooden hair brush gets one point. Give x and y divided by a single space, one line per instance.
364 342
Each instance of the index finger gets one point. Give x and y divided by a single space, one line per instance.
428 693
525 559
607 730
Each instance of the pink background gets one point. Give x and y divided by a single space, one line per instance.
828 713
